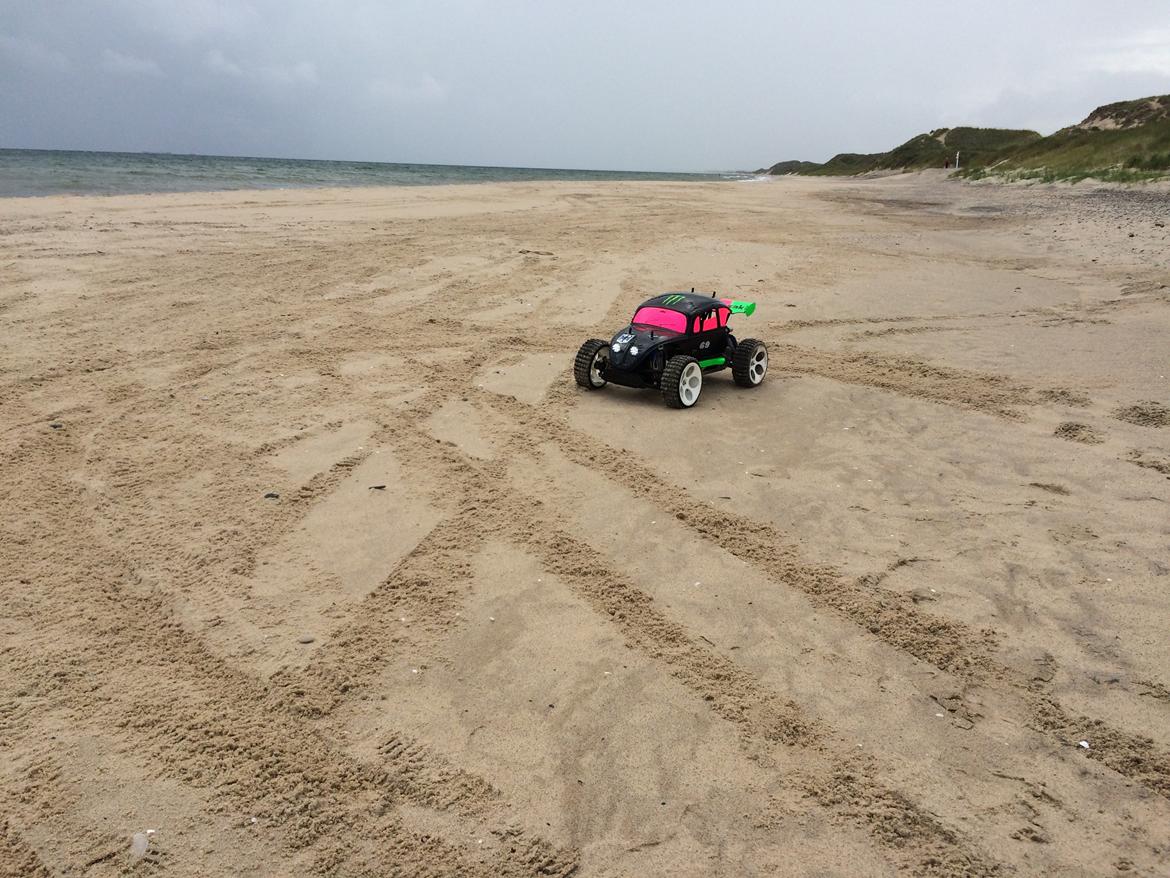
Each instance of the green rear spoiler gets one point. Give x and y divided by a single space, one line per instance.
745 308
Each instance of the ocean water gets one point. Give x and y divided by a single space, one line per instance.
60 172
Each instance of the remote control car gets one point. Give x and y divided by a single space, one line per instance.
672 341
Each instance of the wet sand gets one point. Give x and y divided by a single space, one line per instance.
314 560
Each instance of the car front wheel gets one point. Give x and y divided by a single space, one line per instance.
682 382
589 366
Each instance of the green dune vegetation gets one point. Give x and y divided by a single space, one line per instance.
1126 141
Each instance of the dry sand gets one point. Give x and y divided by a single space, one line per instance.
854 622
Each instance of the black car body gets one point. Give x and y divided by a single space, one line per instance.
638 353
672 341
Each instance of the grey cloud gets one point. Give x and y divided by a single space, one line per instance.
217 62
288 74
128 65
683 85
1142 52
27 53
423 89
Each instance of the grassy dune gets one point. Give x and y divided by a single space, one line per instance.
1125 141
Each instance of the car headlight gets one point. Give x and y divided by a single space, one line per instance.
633 350
617 348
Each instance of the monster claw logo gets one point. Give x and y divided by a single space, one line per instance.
670 300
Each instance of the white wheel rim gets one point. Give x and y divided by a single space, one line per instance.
690 384
758 367
595 370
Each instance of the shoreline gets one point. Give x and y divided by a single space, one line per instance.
57 172
913 177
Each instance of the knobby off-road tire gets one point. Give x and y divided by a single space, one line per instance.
682 382
585 367
749 363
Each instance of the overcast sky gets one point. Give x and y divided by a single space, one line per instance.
619 85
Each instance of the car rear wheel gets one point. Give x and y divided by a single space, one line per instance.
682 382
749 363
589 367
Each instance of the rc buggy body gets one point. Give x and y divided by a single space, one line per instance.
673 341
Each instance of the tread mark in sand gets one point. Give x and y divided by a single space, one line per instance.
223 734
892 617
920 842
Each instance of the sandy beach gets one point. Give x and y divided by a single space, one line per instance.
315 561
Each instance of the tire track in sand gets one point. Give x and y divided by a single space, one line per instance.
977 391
423 587
422 777
892 617
916 840
118 659
17 858
842 783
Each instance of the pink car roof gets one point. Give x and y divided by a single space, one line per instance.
661 318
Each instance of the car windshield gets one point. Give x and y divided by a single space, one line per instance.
660 318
